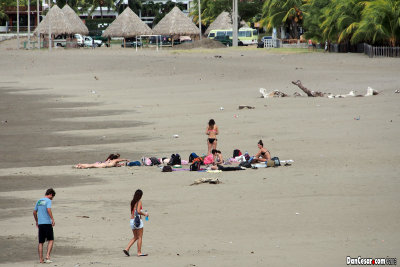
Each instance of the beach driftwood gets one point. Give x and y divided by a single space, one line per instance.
206 180
245 106
305 90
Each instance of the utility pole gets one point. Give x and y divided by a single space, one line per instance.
18 24
49 26
235 25
38 20
200 18
29 24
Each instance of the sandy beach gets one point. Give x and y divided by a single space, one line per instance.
339 198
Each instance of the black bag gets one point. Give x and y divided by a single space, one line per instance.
245 164
136 221
277 161
192 156
195 166
167 169
175 160
155 161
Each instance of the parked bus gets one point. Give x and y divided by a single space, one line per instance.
246 35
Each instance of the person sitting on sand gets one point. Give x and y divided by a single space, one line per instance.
113 160
262 155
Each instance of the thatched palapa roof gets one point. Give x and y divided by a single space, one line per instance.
59 23
127 24
176 23
73 18
222 22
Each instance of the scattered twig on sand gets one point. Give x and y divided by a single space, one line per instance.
305 90
206 180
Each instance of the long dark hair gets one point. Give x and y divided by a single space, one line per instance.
211 124
113 156
136 197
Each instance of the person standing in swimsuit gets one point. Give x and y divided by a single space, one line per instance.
212 132
262 155
136 206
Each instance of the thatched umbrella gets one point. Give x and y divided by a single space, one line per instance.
59 23
127 24
73 18
176 23
223 21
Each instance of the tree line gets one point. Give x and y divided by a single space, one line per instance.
334 21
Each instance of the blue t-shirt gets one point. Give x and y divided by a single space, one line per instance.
41 207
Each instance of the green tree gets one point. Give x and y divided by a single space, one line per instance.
380 22
210 9
101 3
312 20
283 12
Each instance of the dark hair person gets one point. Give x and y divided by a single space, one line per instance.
262 155
136 205
212 132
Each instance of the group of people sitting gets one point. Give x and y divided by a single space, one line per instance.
213 161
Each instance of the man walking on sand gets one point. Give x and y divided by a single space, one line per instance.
45 222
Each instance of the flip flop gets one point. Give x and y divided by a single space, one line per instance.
142 255
126 252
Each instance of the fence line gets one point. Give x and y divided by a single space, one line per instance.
381 51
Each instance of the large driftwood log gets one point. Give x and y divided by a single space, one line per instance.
305 90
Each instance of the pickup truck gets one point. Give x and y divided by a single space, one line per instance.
87 41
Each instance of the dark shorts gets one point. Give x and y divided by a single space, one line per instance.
45 232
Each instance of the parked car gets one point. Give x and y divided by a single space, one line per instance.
224 39
260 44
131 42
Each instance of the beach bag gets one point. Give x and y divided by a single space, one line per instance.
136 221
195 166
192 157
175 160
155 161
236 153
167 169
133 163
277 161
198 159
245 164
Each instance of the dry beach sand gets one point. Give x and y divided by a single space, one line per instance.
340 197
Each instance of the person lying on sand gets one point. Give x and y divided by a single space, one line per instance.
113 160
218 160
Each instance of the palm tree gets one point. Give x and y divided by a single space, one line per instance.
313 11
380 22
286 12
101 3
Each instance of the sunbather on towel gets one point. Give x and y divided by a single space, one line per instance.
113 160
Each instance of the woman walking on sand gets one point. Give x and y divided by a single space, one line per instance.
212 132
136 207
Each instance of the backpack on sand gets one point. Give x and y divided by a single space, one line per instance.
192 157
175 160
195 166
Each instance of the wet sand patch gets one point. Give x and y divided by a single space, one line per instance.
24 248
28 123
